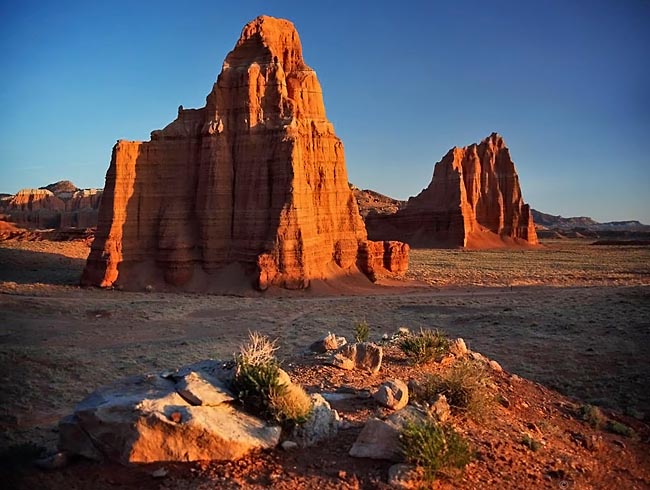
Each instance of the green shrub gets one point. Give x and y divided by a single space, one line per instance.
592 415
259 386
465 385
362 331
619 428
425 346
433 447
530 443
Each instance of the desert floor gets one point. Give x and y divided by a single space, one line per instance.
572 316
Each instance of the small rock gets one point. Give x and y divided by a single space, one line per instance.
440 409
458 348
363 355
403 476
504 401
495 366
323 423
54 462
328 343
289 445
393 394
160 473
201 389
379 439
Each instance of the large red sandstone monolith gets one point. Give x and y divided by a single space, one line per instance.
474 201
252 187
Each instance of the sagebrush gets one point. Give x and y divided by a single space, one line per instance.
433 447
258 383
425 346
466 385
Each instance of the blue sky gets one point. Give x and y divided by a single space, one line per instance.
567 84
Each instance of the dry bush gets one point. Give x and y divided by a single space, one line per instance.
433 447
425 346
258 351
290 403
466 385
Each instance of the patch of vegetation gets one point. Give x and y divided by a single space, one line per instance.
618 428
532 444
433 447
290 404
465 385
425 346
592 415
362 331
258 383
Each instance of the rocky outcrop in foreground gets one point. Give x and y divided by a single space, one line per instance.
474 200
60 205
251 188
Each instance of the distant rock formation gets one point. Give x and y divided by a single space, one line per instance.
474 201
60 205
370 201
251 187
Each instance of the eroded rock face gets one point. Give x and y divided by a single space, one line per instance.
59 205
252 187
474 200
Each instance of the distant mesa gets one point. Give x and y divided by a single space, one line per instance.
250 189
473 201
60 205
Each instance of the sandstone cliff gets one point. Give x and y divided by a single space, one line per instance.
59 205
252 187
474 201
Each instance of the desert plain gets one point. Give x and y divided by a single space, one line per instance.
570 315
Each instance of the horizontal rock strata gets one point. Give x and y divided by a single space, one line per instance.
474 200
251 188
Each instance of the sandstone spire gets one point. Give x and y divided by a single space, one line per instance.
474 200
252 186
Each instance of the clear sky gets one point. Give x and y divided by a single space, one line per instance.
565 82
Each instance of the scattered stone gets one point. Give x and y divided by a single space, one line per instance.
160 473
328 343
337 397
323 423
201 389
458 348
440 409
393 394
495 366
379 439
289 445
403 477
129 422
54 461
503 401
363 355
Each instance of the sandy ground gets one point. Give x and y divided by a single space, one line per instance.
571 316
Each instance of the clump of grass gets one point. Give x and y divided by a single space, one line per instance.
592 415
619 428
465 385
425 346
532 444
362 331
290 404
258 385
433 447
